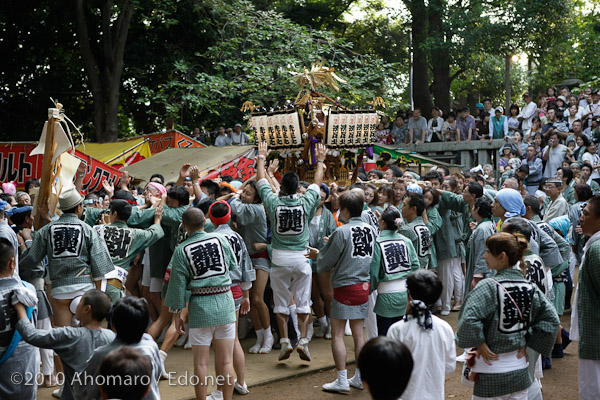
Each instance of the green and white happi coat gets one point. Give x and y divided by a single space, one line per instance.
348 255
289 216
489 315
245 271
394 257
251 221
76 254
588 298
125 243
327 226
202 260
434 225
475 250
419 235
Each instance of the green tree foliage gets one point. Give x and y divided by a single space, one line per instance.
250 60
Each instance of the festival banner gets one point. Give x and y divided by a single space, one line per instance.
351 129
162 141
18 166
118 154
280 129
241 168
384 156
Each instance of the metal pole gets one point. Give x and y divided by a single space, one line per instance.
410 66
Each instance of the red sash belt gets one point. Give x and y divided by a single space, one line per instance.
260 254
352 295
237 292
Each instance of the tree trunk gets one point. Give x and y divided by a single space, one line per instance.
440 56
104 67
421 94
507 83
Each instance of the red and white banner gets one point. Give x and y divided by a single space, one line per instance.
17 165
241 168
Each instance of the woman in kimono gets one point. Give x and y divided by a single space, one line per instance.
321 226
477 268
394 257
500 318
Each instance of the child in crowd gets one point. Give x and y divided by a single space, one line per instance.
129 319
74 346
125 365
17 357
429 338
388 365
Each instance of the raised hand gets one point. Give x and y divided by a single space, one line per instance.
263 149
321 152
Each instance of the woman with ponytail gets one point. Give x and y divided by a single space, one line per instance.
500 318
394 257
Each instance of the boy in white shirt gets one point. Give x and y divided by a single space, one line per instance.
429 338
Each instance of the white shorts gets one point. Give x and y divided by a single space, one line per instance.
520 395
156 285
204 336
288 281
69 295
146 270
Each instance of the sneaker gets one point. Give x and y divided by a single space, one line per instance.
461 358
286 349
557 352
267 345
456 307
565 338
57 393
240 389
215 395
328 332
187 345
347 330
336 387
445 312
355 383
321 331
303 349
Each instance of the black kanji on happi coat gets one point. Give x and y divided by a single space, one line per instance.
515 300
424 240
362 242
66 240
206 258
290 220
118 241
395 256
535 273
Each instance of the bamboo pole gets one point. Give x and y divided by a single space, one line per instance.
47 166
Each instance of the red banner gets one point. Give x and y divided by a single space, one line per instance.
17 165
241 168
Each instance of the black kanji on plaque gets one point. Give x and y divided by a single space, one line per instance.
362 241
66 240
118 241
535 272
206 258
290 220
395 256
236 245
424 240
515 300
8 318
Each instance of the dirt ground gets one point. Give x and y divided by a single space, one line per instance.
559 383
